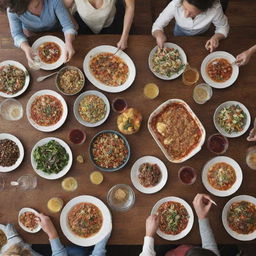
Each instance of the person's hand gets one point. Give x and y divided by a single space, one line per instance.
212 43
202 204
243 58
160 38
47 225
122 44
152 223
69 51
30 54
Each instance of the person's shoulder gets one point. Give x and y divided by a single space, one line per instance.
216 5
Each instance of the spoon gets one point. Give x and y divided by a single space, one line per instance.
41 78
118 49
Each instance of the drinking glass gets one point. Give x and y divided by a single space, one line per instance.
36 61
11 109
26 182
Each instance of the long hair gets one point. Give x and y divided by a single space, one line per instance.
16 6
17 250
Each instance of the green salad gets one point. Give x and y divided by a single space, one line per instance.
51 158
232 119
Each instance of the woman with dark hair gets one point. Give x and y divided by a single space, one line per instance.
202 204
27 17
104 16
193 17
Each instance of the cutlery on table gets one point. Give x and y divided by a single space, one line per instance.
42 78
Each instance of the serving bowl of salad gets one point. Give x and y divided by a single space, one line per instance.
167 63
232 119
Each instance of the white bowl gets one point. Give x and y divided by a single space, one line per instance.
23 210
64 171
92 240
234 134
50 128
21 149
216 55
60 43
235 235
184 232
135 174
182 55
96 82
76 106
236 185
27 78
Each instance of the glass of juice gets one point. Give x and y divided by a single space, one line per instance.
119 105
251 158
151 91
77 136
11 109
187 175
55 204
202 93
217 144
190 76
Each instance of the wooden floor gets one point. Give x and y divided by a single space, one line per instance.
242 19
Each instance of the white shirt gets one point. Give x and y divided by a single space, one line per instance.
200 23
96 19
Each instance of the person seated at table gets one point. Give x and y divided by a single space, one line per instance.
18 248
244 57
28 17
104 16
193 17
202 205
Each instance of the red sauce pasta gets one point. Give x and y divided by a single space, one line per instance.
49 52
85 220
109 150
173 217
109 69
241 217
46 110
221 176
219 70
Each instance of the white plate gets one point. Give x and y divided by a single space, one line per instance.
237 236
216 55
64 170
154 135
182 55
27 78
50 128
103 232
234 134
21 149
23 210
184 232
135 173
59 42
122 55
76 106
236 185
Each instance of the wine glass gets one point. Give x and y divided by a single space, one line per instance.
26 182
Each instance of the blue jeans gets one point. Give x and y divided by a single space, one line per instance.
179 31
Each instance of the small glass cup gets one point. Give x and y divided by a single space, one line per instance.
2 183
251 158
202 93
187 175
190 76
55 204
11 109
26 182
151 91
217 144
119 105
77 136
36 64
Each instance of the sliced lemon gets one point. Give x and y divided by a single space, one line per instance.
69 184
96 177
55 204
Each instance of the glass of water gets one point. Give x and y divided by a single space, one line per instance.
11 109
26 182
36 64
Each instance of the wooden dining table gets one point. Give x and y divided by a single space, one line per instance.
129 227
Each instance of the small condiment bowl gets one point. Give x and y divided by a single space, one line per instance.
61 71
214 141
120 101
121 197
187 175
77 136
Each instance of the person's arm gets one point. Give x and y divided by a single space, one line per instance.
161 22
220 21
244 57
100 248
128 18
202 204
57 248
68 27
152 223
